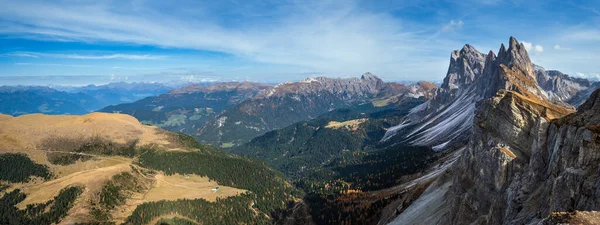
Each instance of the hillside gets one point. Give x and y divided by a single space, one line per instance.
287 103
301 148
111 168
187 109
337 160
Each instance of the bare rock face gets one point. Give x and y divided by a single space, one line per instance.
560 87
526 156
446 119
465 66
522 164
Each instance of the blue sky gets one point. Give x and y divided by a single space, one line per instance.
80 42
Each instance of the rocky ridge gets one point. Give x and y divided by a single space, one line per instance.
525 158
446 119
287 103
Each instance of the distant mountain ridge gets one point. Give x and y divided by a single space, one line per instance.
19 100
187 109
564 88
117 93
57 100
287 103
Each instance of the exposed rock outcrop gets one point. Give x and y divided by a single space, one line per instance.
526 156
446 119
560 87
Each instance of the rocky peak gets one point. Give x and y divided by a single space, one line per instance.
526 156
220 87
369 76
367 84
510 70
517 58
465 66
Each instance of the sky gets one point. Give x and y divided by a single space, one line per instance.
94 42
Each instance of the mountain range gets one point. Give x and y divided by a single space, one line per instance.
500 141
56 100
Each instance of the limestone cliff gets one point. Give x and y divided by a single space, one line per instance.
526 157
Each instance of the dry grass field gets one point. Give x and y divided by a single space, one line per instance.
28 133
350 124
175 187
31 130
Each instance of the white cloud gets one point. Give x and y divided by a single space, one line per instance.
453 25
329 36
52 64
590 76
78 56
533 48
558 47
527 45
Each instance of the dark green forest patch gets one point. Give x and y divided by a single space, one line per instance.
50 212
19 168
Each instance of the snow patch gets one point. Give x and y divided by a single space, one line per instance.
309 80
221 121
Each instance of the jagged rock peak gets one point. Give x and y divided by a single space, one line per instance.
369 76
516 57
468 48
465 66
502 51
490 56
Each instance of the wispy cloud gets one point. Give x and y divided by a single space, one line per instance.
533 48
334 37
52 64
558 47
79 56
453 25
329 36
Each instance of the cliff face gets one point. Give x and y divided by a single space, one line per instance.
465 66
526 156
472 76
445 120
521 165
